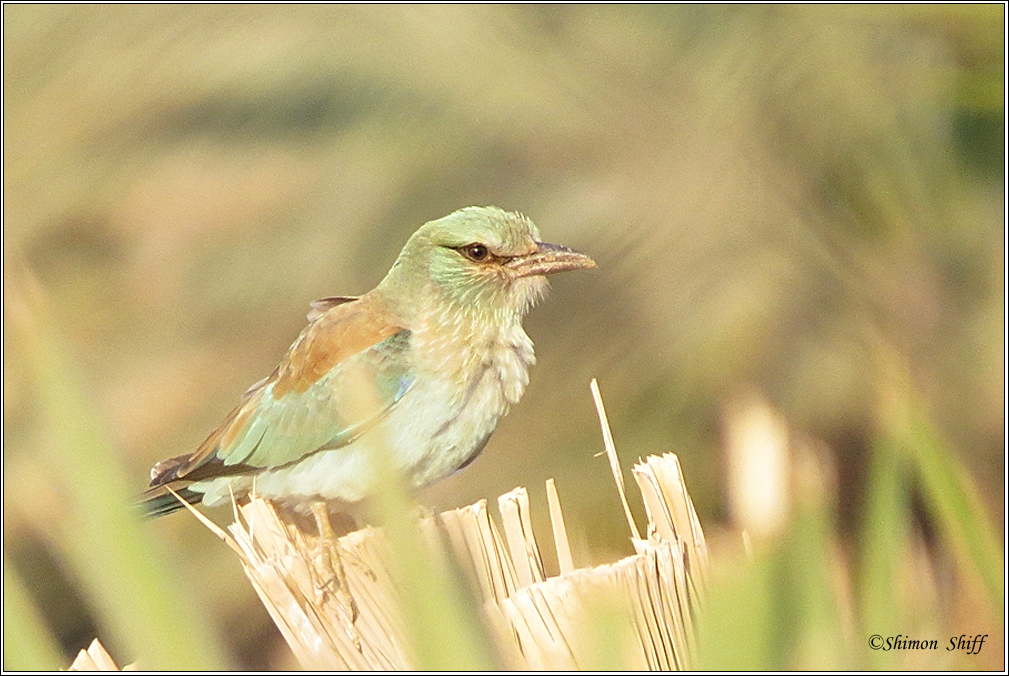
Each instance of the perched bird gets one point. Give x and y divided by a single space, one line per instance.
419 369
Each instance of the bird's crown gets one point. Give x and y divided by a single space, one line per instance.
481 260
504 233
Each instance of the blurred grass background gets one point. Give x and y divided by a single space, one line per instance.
771 193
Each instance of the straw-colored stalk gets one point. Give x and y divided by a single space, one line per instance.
97 658
336 603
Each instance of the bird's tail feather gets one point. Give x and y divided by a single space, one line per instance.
162 502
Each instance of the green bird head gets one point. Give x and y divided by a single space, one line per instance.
481 260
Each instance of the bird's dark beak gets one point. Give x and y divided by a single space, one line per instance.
548 259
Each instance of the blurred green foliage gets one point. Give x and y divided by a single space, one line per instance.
770 193
28 644
443 620
100 535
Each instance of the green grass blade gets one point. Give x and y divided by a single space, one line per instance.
884 534
99 536
955 503
950 493
28 645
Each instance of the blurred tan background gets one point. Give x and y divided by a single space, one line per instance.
766 190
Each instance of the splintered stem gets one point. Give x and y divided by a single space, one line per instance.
611 453
352 602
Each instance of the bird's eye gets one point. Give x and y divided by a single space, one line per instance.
475 252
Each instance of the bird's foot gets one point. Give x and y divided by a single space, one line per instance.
330 562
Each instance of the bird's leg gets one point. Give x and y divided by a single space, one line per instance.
330 560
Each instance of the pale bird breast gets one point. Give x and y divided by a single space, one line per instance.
466 354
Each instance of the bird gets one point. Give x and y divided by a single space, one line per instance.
417 373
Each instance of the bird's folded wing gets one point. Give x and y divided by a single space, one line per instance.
343 374
320 306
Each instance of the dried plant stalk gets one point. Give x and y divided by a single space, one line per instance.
336 603
333 600
97 658
560 531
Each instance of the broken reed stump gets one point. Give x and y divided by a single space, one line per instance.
335 600
97 658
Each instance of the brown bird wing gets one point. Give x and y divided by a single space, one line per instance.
308 402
